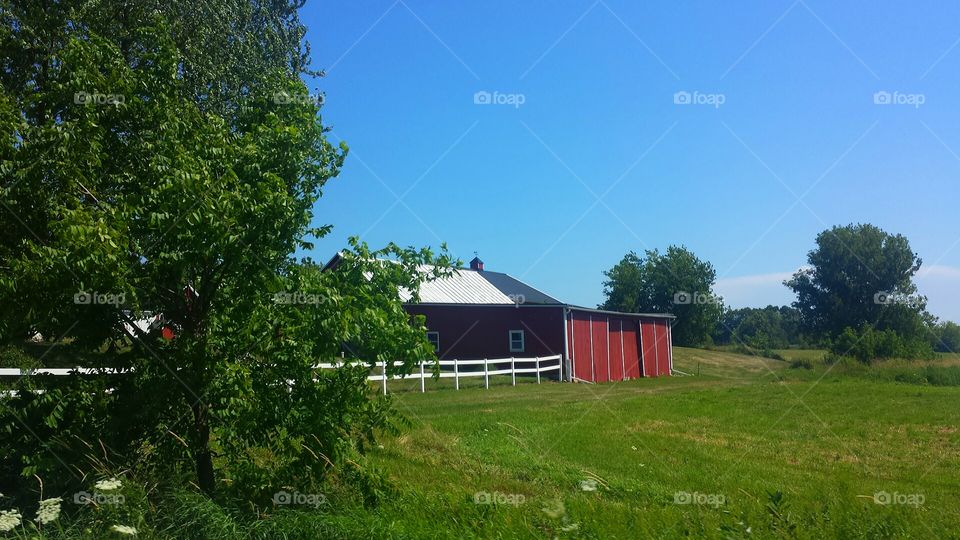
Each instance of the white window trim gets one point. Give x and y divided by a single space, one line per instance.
436 346
523 341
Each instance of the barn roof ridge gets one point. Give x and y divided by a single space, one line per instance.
622 313
474 287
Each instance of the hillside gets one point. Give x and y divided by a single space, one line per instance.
765 451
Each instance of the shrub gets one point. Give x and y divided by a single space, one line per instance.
942 375
801 363
931 375
868 344
14 357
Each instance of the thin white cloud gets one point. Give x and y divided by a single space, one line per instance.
756 290
757 279
938 270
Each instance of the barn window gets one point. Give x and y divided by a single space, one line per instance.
434 337
516 341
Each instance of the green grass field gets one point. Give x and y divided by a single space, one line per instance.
745 447
748 449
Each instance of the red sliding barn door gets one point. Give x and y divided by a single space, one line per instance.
648 339
617 360
630 338
582 351
601 360
663 347
614 348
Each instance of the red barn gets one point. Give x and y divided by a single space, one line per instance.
478 314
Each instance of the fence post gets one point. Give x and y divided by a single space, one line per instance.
538 370
422 389
486 376
384 364
513 370
456 374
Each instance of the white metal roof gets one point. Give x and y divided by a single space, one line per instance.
463 287
468 286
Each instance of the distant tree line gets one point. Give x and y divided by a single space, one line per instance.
771 327
856 298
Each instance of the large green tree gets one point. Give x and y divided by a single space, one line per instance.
859 275
222 45
160 161
673 282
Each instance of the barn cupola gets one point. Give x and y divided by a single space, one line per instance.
476 264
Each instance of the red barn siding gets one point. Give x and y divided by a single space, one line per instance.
663 348
601 360
670 342
580 335
617 360
624 360
601 347
474 332
657 347
648 338
606 346
631 348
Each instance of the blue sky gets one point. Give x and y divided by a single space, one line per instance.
785 137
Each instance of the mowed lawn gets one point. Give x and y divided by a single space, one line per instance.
747 449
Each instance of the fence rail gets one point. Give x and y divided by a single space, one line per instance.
458 374
420 373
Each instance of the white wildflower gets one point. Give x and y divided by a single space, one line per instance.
9 520
554 509
124 529
49 510
107 485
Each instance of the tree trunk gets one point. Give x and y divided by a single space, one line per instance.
203 457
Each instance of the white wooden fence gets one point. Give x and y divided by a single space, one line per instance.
457 374
421 374
14 372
